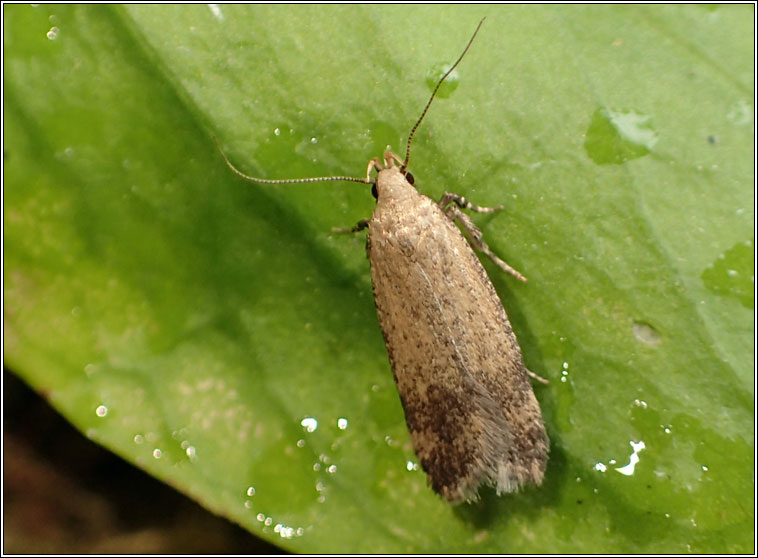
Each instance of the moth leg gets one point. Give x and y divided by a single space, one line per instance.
359 226
536 377
475 235
374 163
463 203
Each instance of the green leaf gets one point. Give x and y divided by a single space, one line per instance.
220 336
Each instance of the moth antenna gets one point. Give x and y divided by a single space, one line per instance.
418 122
249 178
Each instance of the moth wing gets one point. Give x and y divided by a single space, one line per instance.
468 403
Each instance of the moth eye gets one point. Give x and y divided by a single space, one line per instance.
409 178
374 192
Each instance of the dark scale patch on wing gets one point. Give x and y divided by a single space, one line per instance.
454 431
440 428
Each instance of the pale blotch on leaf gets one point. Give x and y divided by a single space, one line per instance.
646 333
615 137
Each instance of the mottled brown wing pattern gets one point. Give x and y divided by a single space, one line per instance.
467 398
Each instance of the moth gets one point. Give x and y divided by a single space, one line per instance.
469 405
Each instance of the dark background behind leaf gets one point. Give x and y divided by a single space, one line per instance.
64 494
219 336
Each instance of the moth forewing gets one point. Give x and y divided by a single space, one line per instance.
468 402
